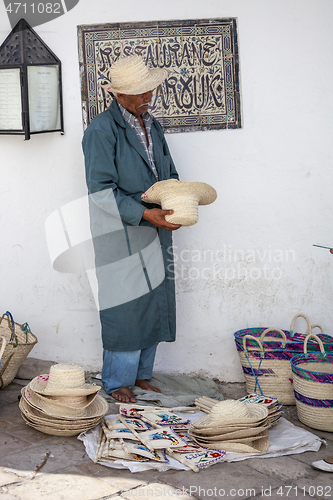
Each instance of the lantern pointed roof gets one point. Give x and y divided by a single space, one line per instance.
24 46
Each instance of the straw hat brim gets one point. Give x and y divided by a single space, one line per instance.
257 446
183 197
172 188
226 436
38 400
37 418
98 407
257 415
39 385
52 431
154 78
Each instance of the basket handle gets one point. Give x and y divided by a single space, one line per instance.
300 315
305 347
283 335
253 338
11 326
3 347
318 326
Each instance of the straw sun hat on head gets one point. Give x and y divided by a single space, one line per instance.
130 75
183 197
63 380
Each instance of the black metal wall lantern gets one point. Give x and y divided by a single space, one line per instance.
30 85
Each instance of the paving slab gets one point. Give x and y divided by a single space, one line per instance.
11 413
62 454
157 490
32 367
96 470
236 480
318 487
9 394
62 487
280 468
26 433
119 478
7 477
311 456
9 444
6 496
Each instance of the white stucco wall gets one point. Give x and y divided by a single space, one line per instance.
273 177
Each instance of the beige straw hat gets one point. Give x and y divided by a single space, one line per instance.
183 197
227 435
233 412
63 380
53 431
71 403
130 75
259 445
97 407
38 417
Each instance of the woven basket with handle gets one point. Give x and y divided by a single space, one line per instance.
313 386
17 342
265 355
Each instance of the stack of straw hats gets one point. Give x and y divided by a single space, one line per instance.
233 426
61 403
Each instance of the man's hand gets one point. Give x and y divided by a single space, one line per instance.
156 216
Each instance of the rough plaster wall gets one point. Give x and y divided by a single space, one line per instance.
249 261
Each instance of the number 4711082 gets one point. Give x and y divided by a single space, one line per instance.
40 8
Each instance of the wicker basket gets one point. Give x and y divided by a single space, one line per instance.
266 358
18 342
313 386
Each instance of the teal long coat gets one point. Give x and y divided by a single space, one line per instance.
115 159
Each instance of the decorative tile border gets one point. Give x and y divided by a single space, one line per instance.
202 90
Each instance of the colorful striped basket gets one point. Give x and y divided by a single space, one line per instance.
313 387
265 355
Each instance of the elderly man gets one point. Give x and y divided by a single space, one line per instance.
126 152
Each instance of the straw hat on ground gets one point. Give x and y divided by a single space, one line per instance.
259 445
63 380
183 197
96 407
130 75
234 426
61 403
233 413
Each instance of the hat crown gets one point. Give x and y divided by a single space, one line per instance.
128 71
229 409
65 376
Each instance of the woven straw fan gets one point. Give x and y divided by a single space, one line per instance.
183 197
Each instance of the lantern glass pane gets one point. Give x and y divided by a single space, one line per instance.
10 99
44 98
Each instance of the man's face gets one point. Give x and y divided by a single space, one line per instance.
135 104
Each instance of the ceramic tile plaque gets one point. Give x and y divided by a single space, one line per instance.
202 89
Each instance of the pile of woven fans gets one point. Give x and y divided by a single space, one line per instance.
61 403
235 426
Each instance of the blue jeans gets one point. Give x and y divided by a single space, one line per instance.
122 369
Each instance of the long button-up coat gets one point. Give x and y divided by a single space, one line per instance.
116 160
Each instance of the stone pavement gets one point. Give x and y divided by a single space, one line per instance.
69 474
